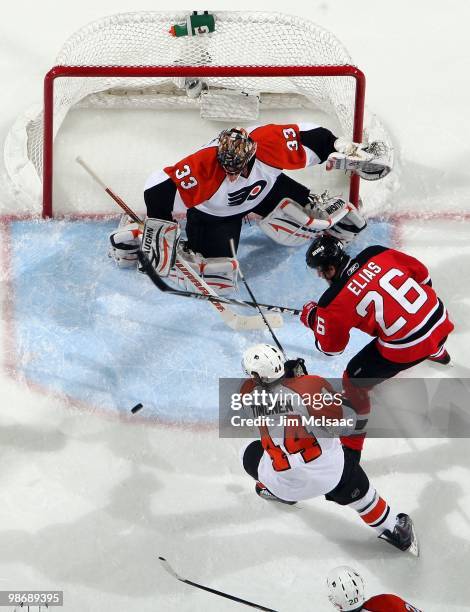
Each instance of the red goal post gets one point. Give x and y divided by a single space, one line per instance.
91 72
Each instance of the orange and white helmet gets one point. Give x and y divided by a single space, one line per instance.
235 150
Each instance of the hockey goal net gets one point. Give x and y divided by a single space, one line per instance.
232 70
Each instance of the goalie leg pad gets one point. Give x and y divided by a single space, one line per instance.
220 273
159 243
289 224
125 242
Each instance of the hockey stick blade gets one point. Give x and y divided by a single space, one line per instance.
233 320
163 286
169 569
172 572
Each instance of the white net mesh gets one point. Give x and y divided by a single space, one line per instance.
239 39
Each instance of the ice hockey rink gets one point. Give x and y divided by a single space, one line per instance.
92 494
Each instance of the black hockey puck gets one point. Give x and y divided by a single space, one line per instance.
136 408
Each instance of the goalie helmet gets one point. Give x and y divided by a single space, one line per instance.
326 251
346 589
264 361
235 150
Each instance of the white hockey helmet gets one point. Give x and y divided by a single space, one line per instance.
346 588
265 361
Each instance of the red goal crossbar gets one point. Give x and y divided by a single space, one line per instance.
189 71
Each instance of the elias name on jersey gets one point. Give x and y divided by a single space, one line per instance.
366 275
386 294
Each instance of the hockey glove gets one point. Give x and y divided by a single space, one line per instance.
294 368
159 242
370 161
307 315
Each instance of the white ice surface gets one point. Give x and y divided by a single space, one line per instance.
88 502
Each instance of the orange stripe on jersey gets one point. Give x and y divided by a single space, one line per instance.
372 516
279 146
197 176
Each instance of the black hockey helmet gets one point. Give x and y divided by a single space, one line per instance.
326 251
235 150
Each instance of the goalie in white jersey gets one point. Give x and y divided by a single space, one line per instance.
295 460
239 172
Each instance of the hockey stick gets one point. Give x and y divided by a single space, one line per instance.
119 201
172 572
163 286
242 276
232 319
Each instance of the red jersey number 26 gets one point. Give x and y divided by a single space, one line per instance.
410 296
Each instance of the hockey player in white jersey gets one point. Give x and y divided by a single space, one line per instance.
294 460
239 172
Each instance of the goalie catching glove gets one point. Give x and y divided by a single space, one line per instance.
370 161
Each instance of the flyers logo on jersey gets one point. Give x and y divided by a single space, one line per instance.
246 193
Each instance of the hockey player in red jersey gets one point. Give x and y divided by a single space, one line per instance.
386 294
239 172
346 593
296 459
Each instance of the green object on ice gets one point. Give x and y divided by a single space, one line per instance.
196 24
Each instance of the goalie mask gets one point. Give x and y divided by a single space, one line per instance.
235 151
264 361
346 589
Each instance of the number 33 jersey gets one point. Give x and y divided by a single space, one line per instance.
201 181
386 294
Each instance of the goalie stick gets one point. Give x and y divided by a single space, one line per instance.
232 319
119 201
163 286
172 572
266 322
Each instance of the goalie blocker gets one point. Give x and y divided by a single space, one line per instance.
159 243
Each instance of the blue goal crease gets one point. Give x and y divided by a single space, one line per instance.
108 338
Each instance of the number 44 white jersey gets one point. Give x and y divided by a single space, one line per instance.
301 460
